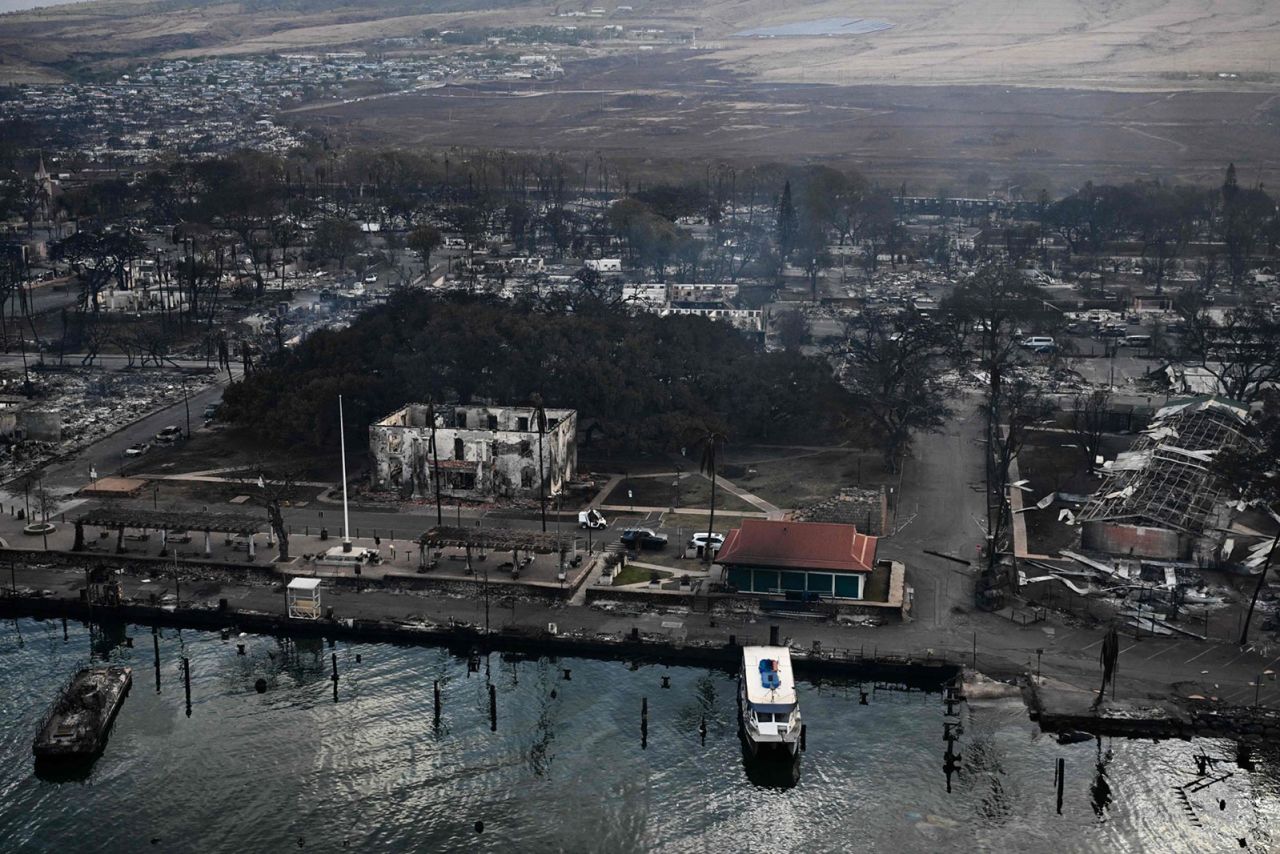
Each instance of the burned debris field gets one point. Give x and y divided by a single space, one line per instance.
490 425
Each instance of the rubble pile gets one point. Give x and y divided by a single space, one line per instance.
858 506
91 406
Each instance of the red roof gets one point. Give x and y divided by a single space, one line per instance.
801 545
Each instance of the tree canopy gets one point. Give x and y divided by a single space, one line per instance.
651 383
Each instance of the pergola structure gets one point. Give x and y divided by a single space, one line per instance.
170 521
514 540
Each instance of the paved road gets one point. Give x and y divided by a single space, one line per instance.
107 454
936 511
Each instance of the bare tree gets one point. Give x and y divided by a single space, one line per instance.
272 491
1088 422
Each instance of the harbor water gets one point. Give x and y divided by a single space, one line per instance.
268 761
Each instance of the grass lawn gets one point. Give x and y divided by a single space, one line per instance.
635 574
792 477
229 447
695 491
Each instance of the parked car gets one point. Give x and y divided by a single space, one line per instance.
698 541
593 519
371 279
170 434
1136 341
643 538
211 409
137 450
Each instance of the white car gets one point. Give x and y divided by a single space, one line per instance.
137 450
698 541
593 519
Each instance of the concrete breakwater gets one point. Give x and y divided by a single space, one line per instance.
1071 711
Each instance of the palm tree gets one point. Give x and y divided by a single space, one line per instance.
712 441
540 416
1109 657
435 460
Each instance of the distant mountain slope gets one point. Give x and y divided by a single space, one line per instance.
1081 43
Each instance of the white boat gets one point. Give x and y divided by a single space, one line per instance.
769 709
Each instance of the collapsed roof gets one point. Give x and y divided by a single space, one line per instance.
1166 480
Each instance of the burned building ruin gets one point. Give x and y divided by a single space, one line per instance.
481 452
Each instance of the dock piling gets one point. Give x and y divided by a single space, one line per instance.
804 737
1061 778
333 657
186 681
644 722
702 730
436 692
155 644
493 707
64 628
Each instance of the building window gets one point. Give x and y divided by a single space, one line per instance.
493 422
462 480
552 422
820 583
462 420
526 479
458 450
522 424
526 448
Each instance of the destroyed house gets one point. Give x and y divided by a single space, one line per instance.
808 559
481 452
1161 499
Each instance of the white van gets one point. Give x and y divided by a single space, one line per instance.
336 558
1040 344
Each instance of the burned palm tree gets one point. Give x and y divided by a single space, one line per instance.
712 442
540 417
435 459
1109 657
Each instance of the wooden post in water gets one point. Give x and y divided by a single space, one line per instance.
1061 775
493 707
186 681
334 659
644 723
436 689
155 643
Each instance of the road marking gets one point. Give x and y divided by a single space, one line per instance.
1237 658
1163 651
1198 654
1092 645
1129 647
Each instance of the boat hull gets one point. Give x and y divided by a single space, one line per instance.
75 729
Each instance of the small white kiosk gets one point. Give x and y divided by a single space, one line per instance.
304 598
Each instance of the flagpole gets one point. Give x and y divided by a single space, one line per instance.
346 521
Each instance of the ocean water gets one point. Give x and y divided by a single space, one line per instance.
566 768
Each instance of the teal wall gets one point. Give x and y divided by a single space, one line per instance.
841 585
